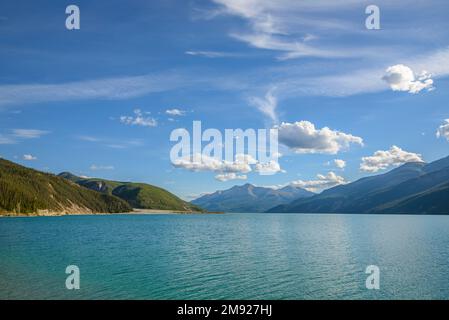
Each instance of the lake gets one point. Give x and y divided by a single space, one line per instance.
225 256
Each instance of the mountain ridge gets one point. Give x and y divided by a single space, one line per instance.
249 198
384 193
138 195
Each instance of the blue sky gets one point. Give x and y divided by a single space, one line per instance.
69 100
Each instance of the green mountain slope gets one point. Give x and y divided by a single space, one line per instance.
432 201
28 191
138 195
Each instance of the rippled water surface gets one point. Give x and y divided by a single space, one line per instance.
229 256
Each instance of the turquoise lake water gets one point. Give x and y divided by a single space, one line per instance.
229 256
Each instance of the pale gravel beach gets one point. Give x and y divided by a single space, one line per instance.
134 212
156 211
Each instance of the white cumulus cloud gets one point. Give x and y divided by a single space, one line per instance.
139 119
402 78
175 112
242 164
443 130
230 176
303 137
199 162
384 159
29 157
268 168
322 182
340 164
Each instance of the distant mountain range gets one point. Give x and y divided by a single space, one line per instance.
249 198
28 191
137 195
415 188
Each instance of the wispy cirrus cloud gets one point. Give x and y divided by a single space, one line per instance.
306 28
17 135
279 26
89 138
267 105
111 143
350 80
95 167
5 139
212 54
121 87
108 89
29 133
346 80
292 50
